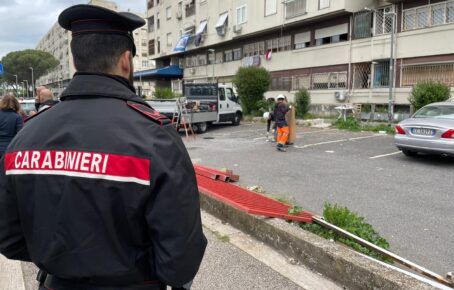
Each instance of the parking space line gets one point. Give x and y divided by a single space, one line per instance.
365 137
321 143
384 155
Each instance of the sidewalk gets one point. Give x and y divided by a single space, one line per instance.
233 260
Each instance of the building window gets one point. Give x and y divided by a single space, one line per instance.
151 47
241 14
158 22
169 39
295 8
384 18
322 4
428 15
190 8
362 25
219 57
228 55
144 63
159 45
414 74
221 25
331 80
270 7
144 54
281 83
169 12
301 82
381 74
331 34
151 24
202 60
237 54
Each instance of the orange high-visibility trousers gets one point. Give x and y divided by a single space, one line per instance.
282 135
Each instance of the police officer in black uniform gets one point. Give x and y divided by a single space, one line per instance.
99 191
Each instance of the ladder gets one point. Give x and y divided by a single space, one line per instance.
180 118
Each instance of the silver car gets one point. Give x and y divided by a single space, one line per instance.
429 130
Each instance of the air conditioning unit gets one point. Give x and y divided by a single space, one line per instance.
191 70
340 96
179 14
237 28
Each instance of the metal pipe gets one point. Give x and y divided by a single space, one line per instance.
320 221
391 67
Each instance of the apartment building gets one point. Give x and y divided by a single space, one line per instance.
57 42
334 48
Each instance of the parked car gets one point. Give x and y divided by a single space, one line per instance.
429 130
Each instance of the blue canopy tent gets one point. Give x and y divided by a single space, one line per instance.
167 73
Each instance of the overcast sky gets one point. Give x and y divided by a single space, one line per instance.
24 22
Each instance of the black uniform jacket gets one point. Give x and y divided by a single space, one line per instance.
100 188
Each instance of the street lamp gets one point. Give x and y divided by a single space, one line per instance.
33 83
16 80
23 93
26 82
211 50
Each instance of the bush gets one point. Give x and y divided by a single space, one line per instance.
302 102
164 93
351 124
428 92
251 84
351 222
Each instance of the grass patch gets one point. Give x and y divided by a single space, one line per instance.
222 238
353 223
352 124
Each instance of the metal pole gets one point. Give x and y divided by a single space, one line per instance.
23 93
16 81
391 71
33 83
394 257
26 82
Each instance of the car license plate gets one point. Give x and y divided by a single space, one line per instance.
423 131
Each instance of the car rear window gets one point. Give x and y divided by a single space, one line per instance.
439 112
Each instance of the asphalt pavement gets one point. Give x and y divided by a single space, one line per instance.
410 201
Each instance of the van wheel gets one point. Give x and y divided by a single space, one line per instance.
237 119
201 128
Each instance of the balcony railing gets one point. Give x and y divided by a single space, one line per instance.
428 15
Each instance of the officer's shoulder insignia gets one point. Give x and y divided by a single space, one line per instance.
39 113
150 113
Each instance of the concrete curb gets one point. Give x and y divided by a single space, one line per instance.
340 264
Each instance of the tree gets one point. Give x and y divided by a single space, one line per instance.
251 84
428 92
303 101
19 63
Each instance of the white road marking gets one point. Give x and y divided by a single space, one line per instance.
321 143
312 132
259 138
365 137
338 141
384 155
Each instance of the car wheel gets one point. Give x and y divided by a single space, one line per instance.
237 119
409 153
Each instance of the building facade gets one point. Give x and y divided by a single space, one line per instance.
57 42
333 48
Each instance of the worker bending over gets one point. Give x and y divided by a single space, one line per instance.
282 127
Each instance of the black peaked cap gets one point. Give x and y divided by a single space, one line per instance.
81 19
